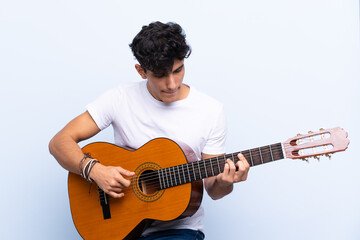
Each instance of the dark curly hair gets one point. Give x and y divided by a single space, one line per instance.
157 46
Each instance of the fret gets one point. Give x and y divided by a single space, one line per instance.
162 173
246 157
175 176
199 169
182 166
272 157
179 175
278 151
159 173
251 159
166 177
205 169
218 165
261 158
170 177
256 156
193 171
267 154
212 169
232 158
187 165
223 165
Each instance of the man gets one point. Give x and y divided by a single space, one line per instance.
160 106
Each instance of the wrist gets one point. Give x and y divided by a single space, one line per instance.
87 169
94 173
220 183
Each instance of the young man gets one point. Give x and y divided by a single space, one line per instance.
160 106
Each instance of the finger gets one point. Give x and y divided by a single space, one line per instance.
243 168
125 172
121 182
115 194
124 182
242 175
243 160
232 167
118 188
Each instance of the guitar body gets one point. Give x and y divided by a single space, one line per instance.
142 203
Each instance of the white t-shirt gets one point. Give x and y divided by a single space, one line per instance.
137 117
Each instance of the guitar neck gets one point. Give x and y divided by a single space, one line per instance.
194 171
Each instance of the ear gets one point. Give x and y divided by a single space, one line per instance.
141 71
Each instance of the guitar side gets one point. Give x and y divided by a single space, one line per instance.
132 213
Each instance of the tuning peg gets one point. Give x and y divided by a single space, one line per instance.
321 129
298 134
328 155
317 158
305 159
310 132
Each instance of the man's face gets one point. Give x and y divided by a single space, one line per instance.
167 88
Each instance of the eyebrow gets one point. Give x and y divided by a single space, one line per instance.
179 68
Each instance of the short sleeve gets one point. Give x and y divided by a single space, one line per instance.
102 109
217 138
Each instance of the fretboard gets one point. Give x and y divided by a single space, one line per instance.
190 172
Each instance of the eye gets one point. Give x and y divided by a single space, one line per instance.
178 70
159 75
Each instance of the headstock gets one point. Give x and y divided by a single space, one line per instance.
314 144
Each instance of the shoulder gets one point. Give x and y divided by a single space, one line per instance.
122 90
127 87
204 100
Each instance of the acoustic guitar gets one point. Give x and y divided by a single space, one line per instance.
168 181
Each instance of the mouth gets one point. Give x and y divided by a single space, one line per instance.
170 92
169 95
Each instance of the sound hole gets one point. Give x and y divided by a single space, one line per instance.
149 182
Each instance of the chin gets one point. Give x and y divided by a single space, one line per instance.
169 100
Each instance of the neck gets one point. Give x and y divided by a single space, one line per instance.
184 91
198 170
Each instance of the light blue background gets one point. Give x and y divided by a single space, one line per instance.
280 67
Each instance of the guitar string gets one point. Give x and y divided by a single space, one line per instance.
208 162
152 181
153 177
255 153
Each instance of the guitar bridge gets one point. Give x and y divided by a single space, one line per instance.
104 202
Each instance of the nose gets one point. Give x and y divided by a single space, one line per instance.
171 82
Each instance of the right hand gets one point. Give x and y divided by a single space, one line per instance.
112 180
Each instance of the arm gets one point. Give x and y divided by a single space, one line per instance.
222 184
63 146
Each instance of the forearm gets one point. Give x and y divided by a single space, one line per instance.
64 145
221 185
216 190
66 151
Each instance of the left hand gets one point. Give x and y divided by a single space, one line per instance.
234 173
